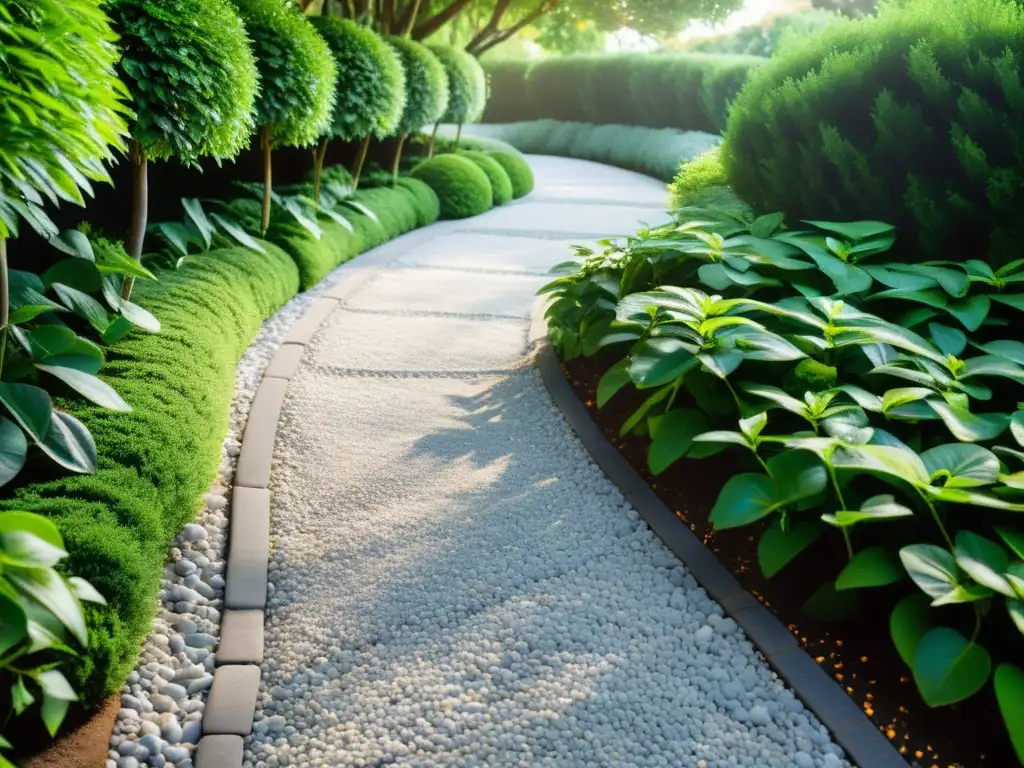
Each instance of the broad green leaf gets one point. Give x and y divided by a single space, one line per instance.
903 281
775 395
674 436
74 243
13 450
992 365
56 685
197 216
76 273
139 317
30 406
53 712
950 341
948 668
660 361
89 386
1017 427
983 560
83 305
176 234
971 312
763 345
48 588
744 499
1009 350
798 475
953 281
613 380
235 231
49 340
896 398
827 604
909 621
1013 539
69 443
961 465
777 548
888 460
866 400
13 622
934 570
26 550
85 591
721 364
723 436
117 330
968 427
970 496
1016 301
766 226
753 426
870 567
883 507
114 262
1009 685
21 699
39 526
640 413
854 230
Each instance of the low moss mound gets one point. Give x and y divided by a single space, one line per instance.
464 190
519 172
501 182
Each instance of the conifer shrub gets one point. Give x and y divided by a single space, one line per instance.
519 172
467 84
914 117
426 90
501 184
461 186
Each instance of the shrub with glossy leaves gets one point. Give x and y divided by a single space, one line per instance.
297 72
461 186
58 66
467 84
501 184
914 117
519 172
192 75
426 85
371 81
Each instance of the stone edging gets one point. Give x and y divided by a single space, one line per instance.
231 703
863 742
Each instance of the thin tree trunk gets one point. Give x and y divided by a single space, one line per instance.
318 168
267 177
398 157
458 137
434 23
408 19
433 140
5 301
360 161
140 212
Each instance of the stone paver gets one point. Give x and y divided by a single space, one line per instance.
597 220
491 253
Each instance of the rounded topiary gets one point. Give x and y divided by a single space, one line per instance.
371 81
501 184
467 84
192 76
518 170
425 199
914 118
461 186
297 73
426 85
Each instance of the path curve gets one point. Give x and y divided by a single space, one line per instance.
453 582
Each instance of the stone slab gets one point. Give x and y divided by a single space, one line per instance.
257 452
419 344
601 220
449 292
219 752
241 638
232 701
285 361
248 549
302 331
463 250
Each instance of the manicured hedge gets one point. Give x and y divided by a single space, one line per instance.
156 461
519 172
501 184
463 188
685 91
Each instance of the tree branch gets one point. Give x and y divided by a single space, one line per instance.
435 22
492 25
485 41
407 18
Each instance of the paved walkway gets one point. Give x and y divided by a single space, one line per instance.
454 583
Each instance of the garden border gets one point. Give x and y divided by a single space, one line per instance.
863 742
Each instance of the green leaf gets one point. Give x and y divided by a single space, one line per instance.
754 425
723 436
970 312
961 465
83 305
854 230
76 273
887 460
85 591
26 550
53 713
661 360
1009 350
640 413
948 668
48 588
21 699
826 604
74 243
950 341
613 380
177 235
933 569
13 622
777 396
139 317
56 685
798 475
896 398
13 450
765 226
114 262
70 444
909 621
117 330
197 216
970 496
89 386
777 548
983 560
31 407
1009 685
744 499
39 526
870 567
968 427
1013 539
883 507
674 436
235 231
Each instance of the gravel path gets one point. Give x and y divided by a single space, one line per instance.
453 581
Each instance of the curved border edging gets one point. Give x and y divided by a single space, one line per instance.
864 743
231 704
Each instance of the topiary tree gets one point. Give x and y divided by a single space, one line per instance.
467 88
501 184
193 78
913 117
426 91
298 79
370 92
518 170
461 186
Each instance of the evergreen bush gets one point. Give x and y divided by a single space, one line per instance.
519 172
914 117
501 183
426 89
467 84
461 186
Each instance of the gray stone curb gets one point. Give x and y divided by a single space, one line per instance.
863 742
219 752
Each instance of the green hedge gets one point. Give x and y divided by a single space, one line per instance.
520 174
685 91
501 183
463 188
156 461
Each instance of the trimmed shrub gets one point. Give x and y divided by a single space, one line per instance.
425 200
702 183
461 186
371 81
669 90
914 117
426 85
297 73
192 76
501 184
467 84
519 172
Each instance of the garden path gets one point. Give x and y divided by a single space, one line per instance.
453 581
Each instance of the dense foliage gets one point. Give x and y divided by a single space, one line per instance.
519 172
501 183
869 397
467 84
915 115
191 74
426 85
298 76
371 81
461 186
702 182
685 91
765 40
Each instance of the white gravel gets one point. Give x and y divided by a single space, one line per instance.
455 583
